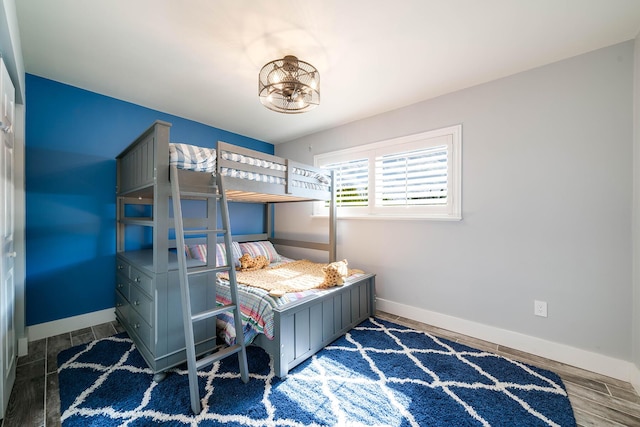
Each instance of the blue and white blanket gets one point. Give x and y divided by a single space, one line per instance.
190 157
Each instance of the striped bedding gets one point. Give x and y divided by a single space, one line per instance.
256 307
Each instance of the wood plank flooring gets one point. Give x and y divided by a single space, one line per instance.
597 400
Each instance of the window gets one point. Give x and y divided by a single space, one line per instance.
417 176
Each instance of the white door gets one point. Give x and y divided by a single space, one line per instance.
8 343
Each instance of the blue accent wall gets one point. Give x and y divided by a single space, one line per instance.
72 139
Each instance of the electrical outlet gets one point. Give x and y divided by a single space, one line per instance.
540 308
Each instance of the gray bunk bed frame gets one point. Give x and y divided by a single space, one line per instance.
301 328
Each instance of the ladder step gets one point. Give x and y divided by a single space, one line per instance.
204 231
208 314
202 270
219 355
202 194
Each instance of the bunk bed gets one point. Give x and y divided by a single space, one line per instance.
147 288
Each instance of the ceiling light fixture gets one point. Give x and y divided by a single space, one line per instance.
289 85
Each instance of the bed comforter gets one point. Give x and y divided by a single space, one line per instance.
256 308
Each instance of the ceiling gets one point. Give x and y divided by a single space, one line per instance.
199 59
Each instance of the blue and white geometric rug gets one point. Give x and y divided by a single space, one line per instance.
379 374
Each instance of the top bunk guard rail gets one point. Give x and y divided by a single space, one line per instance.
282 184
245 190
301 173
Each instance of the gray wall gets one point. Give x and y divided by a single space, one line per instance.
547 203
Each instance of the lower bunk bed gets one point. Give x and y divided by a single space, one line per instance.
293 326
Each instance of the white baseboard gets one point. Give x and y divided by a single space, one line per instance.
594 362
63 326
635 378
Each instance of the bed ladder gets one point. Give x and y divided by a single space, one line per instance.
214 193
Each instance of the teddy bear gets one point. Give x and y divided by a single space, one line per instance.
334 274
249 263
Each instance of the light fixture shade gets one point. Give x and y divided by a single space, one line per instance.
289 85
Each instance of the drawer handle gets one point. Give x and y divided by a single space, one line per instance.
119 304
120 286
136 326
120 267
136 302
137 279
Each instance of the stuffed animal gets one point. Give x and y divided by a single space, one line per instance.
334 274
248 263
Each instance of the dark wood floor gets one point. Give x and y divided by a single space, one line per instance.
597 400
35 400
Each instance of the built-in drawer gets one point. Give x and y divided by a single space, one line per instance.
122 267
142 304
122 307
141 329
142 280
122 284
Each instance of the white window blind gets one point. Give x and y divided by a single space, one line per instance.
412 178
417 176
352 182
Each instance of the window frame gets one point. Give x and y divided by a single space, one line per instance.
450 136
